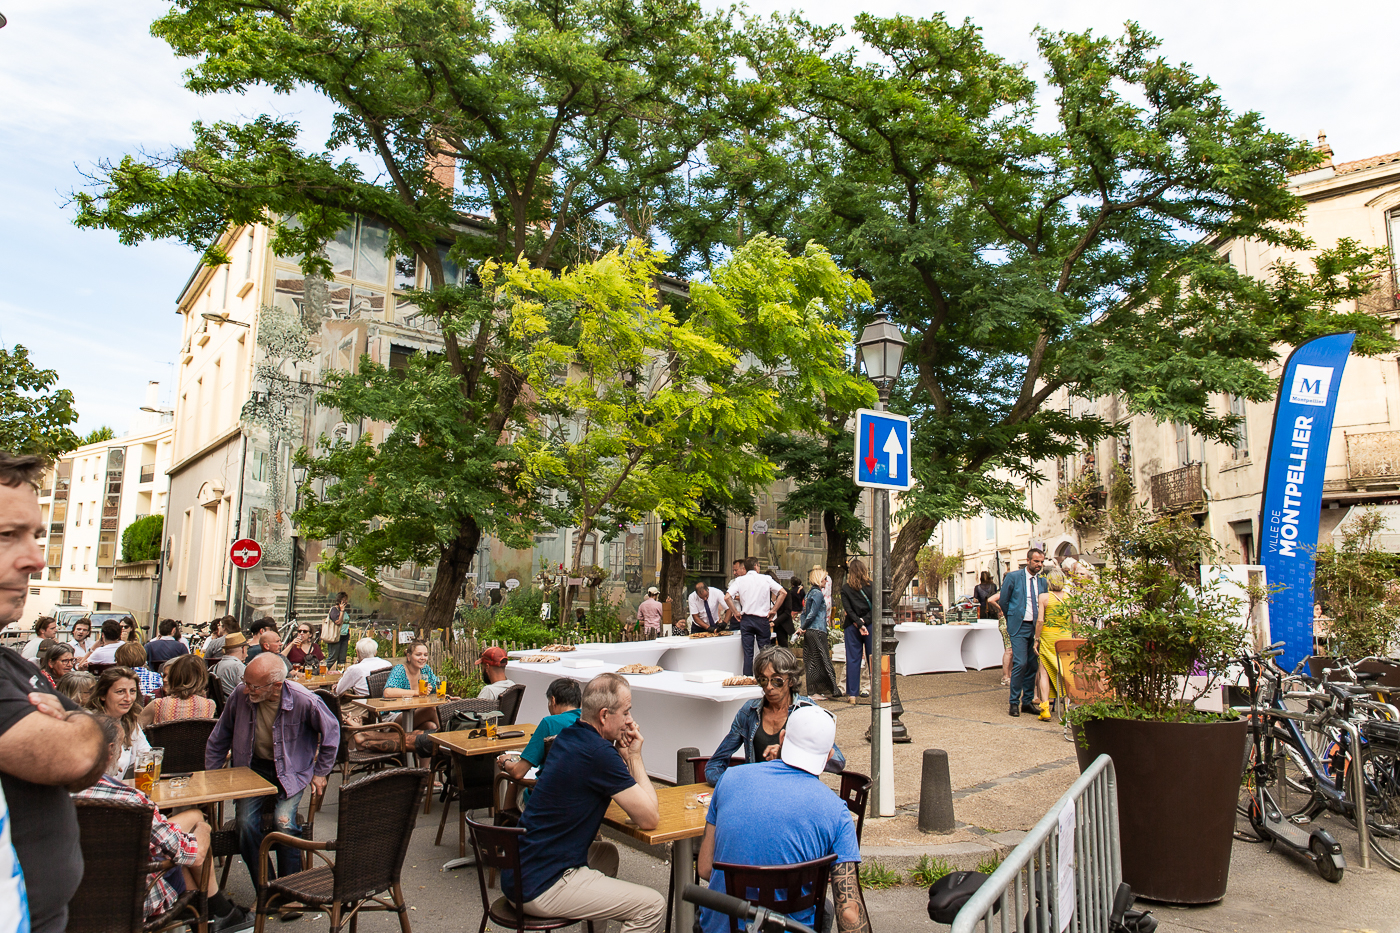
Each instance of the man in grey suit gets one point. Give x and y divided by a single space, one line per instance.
1019 599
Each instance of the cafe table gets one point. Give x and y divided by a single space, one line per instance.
406 705
682 822
205 787
462 743
318 681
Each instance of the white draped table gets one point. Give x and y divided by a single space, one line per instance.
929 649
672 712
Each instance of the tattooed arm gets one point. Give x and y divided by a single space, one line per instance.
845 891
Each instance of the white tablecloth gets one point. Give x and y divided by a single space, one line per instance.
982 648
725 653
926 649
618 652
672 712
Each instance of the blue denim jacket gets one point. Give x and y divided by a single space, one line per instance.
814 611
741 734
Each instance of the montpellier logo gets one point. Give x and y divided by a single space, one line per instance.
1310 385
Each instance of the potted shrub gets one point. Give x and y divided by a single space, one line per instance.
1355 585
1148 625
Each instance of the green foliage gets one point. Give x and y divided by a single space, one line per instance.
517 620
877 877
460 683
103 433
935 567
1026 247
1355 584
1082 499
34 417
929 869
1147 621
142 539
604 616
990 863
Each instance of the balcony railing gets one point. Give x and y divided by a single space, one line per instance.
1179 490
1373 457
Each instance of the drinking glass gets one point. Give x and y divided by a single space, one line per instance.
143 773
422 686
157 759
442 688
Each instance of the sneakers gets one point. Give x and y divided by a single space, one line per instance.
237 920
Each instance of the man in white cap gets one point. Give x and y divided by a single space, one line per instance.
744 828
650 611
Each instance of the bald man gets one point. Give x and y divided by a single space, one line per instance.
265 705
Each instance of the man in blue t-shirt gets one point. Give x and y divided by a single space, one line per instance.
595 761
744 828
563 698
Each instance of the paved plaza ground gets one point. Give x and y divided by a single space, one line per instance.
1005 774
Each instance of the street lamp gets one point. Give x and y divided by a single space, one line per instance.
222 319
298 479
880 350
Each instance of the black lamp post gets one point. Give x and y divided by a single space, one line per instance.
298 478
880 350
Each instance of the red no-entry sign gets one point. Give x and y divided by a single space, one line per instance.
245 553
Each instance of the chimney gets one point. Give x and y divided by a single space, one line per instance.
153 394
1325 149
442 165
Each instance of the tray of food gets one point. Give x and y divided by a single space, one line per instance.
557 648
740 681
541 658
709 634
639 669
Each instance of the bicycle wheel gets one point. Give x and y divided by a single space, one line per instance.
1298 794
1381 769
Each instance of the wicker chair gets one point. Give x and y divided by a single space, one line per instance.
376 681
377 814
497 849
441 763
768 880
116 844
509 704
183 741
223 842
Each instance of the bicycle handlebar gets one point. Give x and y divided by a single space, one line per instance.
757 918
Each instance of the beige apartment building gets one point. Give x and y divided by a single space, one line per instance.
1221 484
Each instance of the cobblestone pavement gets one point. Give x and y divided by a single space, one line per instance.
1006 772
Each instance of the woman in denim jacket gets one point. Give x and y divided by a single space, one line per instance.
758 726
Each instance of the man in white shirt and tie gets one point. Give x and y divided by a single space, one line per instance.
751 598
708 609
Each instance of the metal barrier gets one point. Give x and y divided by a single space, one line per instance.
1023 894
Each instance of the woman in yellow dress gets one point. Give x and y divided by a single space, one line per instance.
1053 623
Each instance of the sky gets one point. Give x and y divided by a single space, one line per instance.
83 81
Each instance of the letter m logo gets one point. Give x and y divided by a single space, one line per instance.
1311 385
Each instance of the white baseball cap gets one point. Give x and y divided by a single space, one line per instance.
811 733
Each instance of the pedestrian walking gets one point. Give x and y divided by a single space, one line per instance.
335 631
816 650
856 600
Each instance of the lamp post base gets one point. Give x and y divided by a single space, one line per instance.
890 646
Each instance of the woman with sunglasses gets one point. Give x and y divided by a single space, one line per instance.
757 730
305 645
129 632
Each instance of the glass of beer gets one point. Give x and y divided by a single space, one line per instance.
157 759
143 768
422 686
442 688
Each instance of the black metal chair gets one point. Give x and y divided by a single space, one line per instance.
855 791
801 886
184 741
498 849
115 837
377 814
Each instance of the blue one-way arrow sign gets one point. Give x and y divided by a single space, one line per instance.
882 450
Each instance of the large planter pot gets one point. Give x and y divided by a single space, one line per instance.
1178 784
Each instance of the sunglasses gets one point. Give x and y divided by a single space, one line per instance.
479 734
771 681
303 631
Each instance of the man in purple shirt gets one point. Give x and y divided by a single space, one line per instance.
288 737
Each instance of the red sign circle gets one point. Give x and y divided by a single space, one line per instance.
245 553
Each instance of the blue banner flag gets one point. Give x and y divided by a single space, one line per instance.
1292 500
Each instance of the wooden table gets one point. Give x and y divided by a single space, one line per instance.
211 787
406 705
459 744
682 822
317 681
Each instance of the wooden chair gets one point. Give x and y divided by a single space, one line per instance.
377 814
1077 680
498 849
801 886
183 741
116 844
855 791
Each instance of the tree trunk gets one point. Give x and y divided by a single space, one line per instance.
904 556
836 554
452 570
673 576
566 592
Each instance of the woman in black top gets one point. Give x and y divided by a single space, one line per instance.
983 592
856 596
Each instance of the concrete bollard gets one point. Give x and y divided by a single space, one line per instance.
935 793
685 771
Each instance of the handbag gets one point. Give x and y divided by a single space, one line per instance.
330 630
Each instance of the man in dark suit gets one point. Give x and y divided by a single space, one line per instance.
1019 599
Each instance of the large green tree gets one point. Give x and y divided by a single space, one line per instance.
34 416
496 129
1029 248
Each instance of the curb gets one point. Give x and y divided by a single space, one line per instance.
963 856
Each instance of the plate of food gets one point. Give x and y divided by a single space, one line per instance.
541 659
557 648
639 669
740 681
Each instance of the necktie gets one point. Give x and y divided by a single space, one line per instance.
1033 594
708 614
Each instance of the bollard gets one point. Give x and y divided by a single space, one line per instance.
935 793
685 771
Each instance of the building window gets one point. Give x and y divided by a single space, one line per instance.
1237 408
814 524
1183 443
989 527
70 597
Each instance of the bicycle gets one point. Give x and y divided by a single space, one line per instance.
1360 754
